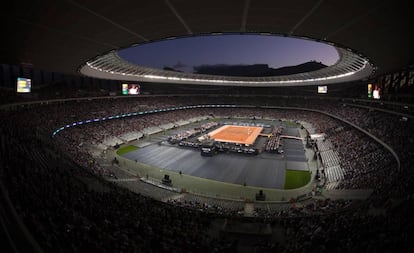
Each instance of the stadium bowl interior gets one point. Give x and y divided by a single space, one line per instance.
99 154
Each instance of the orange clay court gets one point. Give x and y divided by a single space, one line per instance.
236 134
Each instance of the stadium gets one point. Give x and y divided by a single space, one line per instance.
101 154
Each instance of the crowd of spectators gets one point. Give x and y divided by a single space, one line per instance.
306 208
355 231
395 132
51 195
206 207
365 163
361 158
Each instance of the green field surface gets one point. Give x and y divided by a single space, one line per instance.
126 149
296 178
291 123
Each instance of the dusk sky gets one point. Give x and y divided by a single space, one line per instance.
184 53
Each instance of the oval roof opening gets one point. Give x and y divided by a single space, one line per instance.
243 55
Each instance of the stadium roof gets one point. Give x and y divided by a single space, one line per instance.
63 35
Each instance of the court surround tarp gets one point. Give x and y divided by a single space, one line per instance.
264 170
231 168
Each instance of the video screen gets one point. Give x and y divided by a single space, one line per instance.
24 85
374 91
131 89
370 90
323 89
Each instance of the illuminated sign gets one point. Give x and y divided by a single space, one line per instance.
323 89
131 89
24 85
370 90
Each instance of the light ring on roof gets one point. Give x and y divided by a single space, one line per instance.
349 67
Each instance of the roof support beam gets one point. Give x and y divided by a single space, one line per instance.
178 16
305 17
107 20
354 21
244 17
